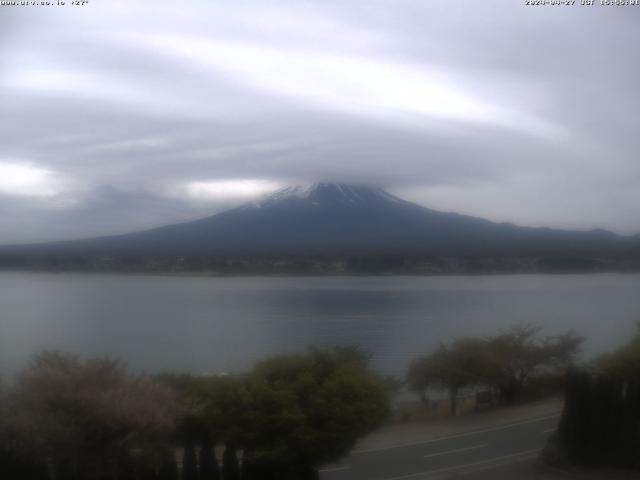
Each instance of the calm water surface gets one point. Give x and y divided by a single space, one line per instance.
225 324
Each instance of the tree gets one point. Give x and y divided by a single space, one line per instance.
15 462
451 367
624 362
513 357
506 362
211 407
599 425
222 404
81 414
304 410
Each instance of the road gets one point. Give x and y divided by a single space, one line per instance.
501 452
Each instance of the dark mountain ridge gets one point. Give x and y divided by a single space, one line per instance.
333 219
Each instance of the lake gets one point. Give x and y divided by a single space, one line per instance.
210 324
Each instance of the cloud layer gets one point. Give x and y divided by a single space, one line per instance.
121 116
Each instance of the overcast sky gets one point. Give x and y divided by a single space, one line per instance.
121 115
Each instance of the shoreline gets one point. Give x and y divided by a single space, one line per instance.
214 274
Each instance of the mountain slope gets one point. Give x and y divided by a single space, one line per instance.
331 218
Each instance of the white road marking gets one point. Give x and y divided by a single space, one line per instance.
495 465
457 450
333 469
458 435
496 460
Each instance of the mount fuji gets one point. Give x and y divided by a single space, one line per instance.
339 219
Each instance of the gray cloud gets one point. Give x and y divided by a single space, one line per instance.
114 112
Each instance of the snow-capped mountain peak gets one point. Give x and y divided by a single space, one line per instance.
325 193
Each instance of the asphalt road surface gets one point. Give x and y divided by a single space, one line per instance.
501 452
